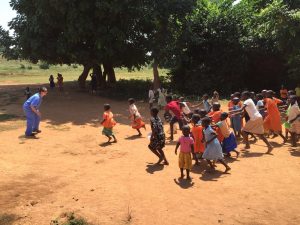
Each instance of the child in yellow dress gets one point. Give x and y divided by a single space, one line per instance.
186 144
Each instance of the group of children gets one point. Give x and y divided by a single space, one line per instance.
60 82
206 132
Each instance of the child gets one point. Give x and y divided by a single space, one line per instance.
197 132
108 123
213 150
137 122
60 81
215 98
51 80
216 113
229 143
161 102
157 140
205 103
260 104
93 83
27 93
215 116
294 119
186 112
186 144
174 107
151 96
236 120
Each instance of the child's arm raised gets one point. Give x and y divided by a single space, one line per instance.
177 146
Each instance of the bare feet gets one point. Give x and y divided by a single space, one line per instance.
188 178
270 149
109 139
227 169
115 141
159 161
237 154
182 176
247 146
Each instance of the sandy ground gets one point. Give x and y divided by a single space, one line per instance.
69 169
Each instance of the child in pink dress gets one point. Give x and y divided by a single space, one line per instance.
186 144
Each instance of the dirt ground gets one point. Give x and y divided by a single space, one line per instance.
69 169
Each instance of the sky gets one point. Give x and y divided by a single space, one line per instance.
6 13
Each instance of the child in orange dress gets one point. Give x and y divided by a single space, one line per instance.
108 123
197 132
272 121
215 116
135 116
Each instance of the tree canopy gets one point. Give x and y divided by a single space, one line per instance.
206 44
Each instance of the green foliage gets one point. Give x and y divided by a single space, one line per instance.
29 67
22 67
70 219
44 66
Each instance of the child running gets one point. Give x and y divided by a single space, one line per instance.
229 142
294 119
108 123
186 144
135 116
213 150
197 132
60 81
236 120
157 139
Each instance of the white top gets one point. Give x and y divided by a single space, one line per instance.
251 109
134 111
259 104
151 96
293 112
185 109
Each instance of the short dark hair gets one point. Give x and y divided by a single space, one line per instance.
42 89
106 107
196 117
224 115
186 128
154 111
246 93
131 100
206 120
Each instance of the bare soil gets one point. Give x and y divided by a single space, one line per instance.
70 169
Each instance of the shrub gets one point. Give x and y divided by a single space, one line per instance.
22 67
29 67
74 66
44 66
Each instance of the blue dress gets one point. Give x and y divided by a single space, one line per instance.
236 120
213 150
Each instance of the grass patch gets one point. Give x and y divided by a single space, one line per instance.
10 71
69 219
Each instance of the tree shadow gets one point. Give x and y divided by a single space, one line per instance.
152 168
211 175
184 183
231 159
293 151
8 219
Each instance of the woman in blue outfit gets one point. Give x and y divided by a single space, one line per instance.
33 115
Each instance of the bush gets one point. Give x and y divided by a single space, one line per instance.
22 67
74 66
70 219
44 66
29 67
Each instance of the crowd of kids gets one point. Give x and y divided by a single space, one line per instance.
208 132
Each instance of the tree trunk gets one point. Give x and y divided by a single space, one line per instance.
83 76
110 72
156 82
98 71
